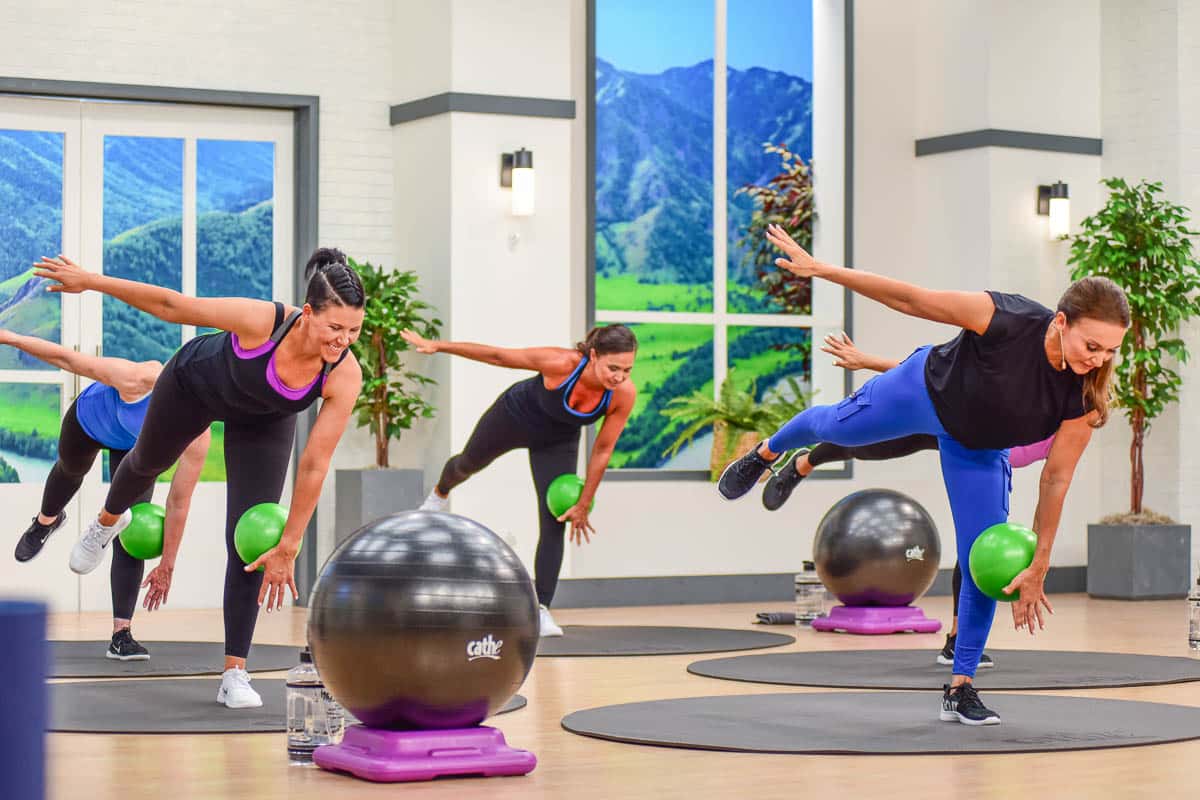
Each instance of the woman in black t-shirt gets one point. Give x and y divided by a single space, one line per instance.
1016 374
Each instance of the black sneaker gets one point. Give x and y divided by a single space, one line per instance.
962 704
125 648
741 475
779 487
31 541
946 656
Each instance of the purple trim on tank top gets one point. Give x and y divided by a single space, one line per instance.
245 354
286 391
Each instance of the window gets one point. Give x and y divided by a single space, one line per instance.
680 121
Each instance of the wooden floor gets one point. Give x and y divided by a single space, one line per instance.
122 767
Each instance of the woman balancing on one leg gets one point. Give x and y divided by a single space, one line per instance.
1017 373
788 475
544 413
271 362
108 415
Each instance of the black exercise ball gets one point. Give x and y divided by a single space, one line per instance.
877 548
423 620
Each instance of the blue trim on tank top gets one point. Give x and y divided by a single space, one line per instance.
570 382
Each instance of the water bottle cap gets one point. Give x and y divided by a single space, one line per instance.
808 565
305 656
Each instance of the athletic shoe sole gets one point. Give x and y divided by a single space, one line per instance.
954 716
949 662
221 698
115 657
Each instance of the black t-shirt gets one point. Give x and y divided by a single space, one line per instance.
999 390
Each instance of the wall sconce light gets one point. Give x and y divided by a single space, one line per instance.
1054 201
516 172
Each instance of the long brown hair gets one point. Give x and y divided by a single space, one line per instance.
608 339
1097 298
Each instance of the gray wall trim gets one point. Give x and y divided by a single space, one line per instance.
777 588
159 94
1023 140
481 104
306 190
847 469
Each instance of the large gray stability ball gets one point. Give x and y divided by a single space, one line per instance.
423 620
877 547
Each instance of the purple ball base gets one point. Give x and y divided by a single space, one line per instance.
877 620
393 756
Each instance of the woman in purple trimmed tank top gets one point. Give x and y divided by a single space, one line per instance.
269 362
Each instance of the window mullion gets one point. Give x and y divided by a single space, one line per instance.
720 248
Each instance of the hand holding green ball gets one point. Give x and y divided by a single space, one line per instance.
563 492
1000 554
259 529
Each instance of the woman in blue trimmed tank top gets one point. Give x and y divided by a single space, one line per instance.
108 415
544 414
269 362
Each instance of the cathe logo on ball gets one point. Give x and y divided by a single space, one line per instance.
915 553
487 647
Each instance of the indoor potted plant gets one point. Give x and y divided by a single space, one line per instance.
390 400
1142 242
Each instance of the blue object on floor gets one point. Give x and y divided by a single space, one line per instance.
23 698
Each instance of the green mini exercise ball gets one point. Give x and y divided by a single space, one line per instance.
258 530
143 537
564 492
998 555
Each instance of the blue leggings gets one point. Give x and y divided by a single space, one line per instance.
978 482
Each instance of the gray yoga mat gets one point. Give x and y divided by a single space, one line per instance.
646 640
916 669
170 706
84 659
863 723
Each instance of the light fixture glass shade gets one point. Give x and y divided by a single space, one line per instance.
522 191
1060 217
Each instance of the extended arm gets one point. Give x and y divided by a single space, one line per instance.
131 379
969 310
848 356
250 319
179 502
1069 443
602 450
539 359
341 391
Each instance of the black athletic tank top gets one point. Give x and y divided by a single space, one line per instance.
997 390
236 383
549 410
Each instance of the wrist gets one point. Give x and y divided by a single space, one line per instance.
1041 564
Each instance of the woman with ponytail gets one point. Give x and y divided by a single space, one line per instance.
573 388
269 362
1016 374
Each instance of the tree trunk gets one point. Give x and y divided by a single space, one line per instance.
1137 474
381 414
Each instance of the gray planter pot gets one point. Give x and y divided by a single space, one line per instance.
1139 562
364 495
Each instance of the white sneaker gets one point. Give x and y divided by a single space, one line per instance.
235 691
435 502
548 626
88 552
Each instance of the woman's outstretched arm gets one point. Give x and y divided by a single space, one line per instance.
969 310
251 320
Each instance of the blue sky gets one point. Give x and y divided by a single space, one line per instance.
649 36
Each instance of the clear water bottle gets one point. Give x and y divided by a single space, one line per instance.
810 595
314 718
1194 617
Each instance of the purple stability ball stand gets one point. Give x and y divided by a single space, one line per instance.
877 620
391 756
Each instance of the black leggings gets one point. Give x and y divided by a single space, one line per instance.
76 453
882 451
256 462
496 433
